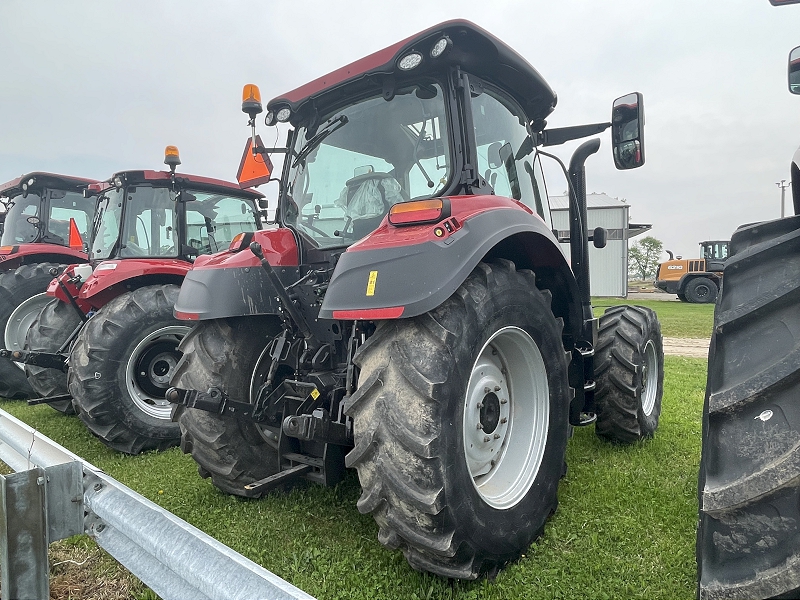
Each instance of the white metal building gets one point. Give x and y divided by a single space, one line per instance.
608 267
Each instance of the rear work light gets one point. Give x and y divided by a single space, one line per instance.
419 212
241 241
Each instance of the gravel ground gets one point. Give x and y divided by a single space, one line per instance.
693 347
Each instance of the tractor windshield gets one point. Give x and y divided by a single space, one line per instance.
22 220
362 159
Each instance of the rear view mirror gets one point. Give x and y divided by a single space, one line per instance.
794 71
263 204
627 131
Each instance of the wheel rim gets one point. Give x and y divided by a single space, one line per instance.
506 417
702 291
21 320
649 378
150 368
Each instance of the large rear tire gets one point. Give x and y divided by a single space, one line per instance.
461 423
748 539
629 373
48 333
16 287
120 367
228 354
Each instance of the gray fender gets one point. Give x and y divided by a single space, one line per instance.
420 277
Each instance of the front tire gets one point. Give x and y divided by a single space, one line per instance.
48 333
749 481
120 367
459 501
228 354
629 373
701 290
16 287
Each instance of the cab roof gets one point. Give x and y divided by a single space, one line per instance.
474 49
42 179
201 183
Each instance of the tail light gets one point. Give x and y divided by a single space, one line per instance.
419 212
241 241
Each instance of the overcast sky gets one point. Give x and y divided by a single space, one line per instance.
90 88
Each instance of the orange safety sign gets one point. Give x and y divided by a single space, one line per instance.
254 169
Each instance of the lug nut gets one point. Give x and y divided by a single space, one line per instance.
497 388
480 404
487 389
486 438
480 425
503 420
503 401
497 436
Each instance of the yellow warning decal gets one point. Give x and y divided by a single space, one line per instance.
373 277
315 393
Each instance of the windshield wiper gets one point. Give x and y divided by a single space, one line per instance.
317 139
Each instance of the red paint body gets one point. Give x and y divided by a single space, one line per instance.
109 277
12 257
462 209
278 245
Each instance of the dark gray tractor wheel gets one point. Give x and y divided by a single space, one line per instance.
748 538
701 290
229 354
629 373
120 367
16 287
461 422
48 333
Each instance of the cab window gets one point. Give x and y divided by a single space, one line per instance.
213 220
499 133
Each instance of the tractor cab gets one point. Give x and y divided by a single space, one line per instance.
449 112
46 217
161 215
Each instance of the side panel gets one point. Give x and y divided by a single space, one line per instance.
409 280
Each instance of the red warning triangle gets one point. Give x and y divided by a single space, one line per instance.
254 169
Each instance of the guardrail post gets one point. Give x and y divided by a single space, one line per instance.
23 528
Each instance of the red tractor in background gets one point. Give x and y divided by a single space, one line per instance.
748 535
46 223
412 316
113 318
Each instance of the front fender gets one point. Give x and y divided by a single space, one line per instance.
394 280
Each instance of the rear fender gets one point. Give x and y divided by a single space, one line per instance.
114 277
233 284
383 278
12 257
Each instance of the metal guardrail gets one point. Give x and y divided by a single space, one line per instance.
55 494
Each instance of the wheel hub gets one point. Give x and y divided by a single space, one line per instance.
649 386
506 417
151 366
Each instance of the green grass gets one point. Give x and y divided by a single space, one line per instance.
678 319
624 527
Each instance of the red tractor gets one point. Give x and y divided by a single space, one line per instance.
46 220
412 316
114 318
748 535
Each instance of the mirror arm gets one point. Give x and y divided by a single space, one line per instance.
559 135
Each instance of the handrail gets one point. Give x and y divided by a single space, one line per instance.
55 494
